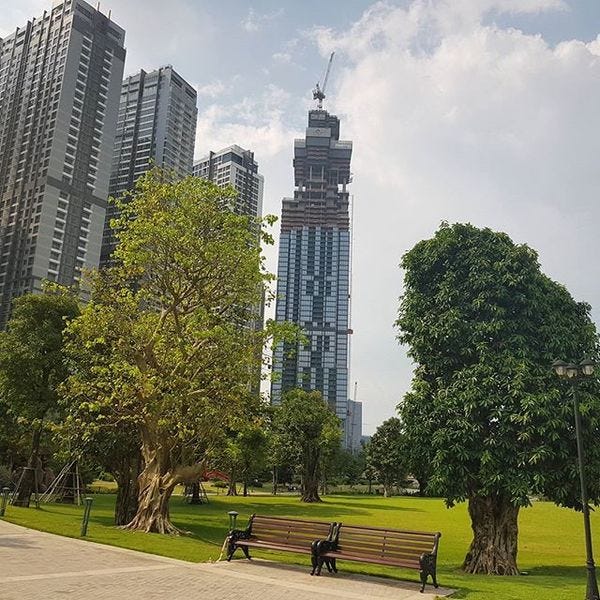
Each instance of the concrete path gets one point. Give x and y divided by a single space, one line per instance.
36 565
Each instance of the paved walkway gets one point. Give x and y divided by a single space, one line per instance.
36 565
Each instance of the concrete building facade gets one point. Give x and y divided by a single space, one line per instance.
233 166
60 78
313 273
236 167
156 126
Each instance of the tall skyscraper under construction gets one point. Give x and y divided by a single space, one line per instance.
60 79
313 285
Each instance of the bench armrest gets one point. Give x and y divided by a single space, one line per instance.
233 537
428 564
239 534
321 546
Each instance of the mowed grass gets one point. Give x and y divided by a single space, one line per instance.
551 546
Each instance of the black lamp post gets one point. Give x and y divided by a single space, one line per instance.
573 373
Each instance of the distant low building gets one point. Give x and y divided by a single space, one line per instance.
354 426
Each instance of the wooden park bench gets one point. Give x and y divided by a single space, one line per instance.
376 545
279 533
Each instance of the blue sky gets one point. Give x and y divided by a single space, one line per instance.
485 111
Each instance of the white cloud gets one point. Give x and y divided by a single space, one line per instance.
215 89
284 58
254 21
255 122
456 120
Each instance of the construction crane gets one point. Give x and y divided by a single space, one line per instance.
319 92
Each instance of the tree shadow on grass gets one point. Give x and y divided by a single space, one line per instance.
569 571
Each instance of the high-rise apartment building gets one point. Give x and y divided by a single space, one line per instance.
156 127
313 285
236 167
60 77
233 166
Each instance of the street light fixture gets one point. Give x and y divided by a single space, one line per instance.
573 373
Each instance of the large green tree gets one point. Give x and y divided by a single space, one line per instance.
386 455
244 455
32 366
483 325
165 343
306 429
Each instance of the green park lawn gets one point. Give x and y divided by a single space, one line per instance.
551 548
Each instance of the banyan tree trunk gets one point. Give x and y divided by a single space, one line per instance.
195 497
232 489
127 492
310 477
493 551
422 478
387 489
156 484
28 482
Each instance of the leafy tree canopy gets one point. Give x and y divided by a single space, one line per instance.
166 342
31 351
306 429
386 454
483 325
32 366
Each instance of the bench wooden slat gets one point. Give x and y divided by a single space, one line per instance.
283 539
390 555
381 549
288 522
287 530
384 529
411 564
388 534
259 531
269 546
416 548
390 541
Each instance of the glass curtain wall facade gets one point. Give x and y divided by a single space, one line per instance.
156 127
313 285
60 77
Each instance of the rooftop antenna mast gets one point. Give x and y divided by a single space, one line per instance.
319 92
